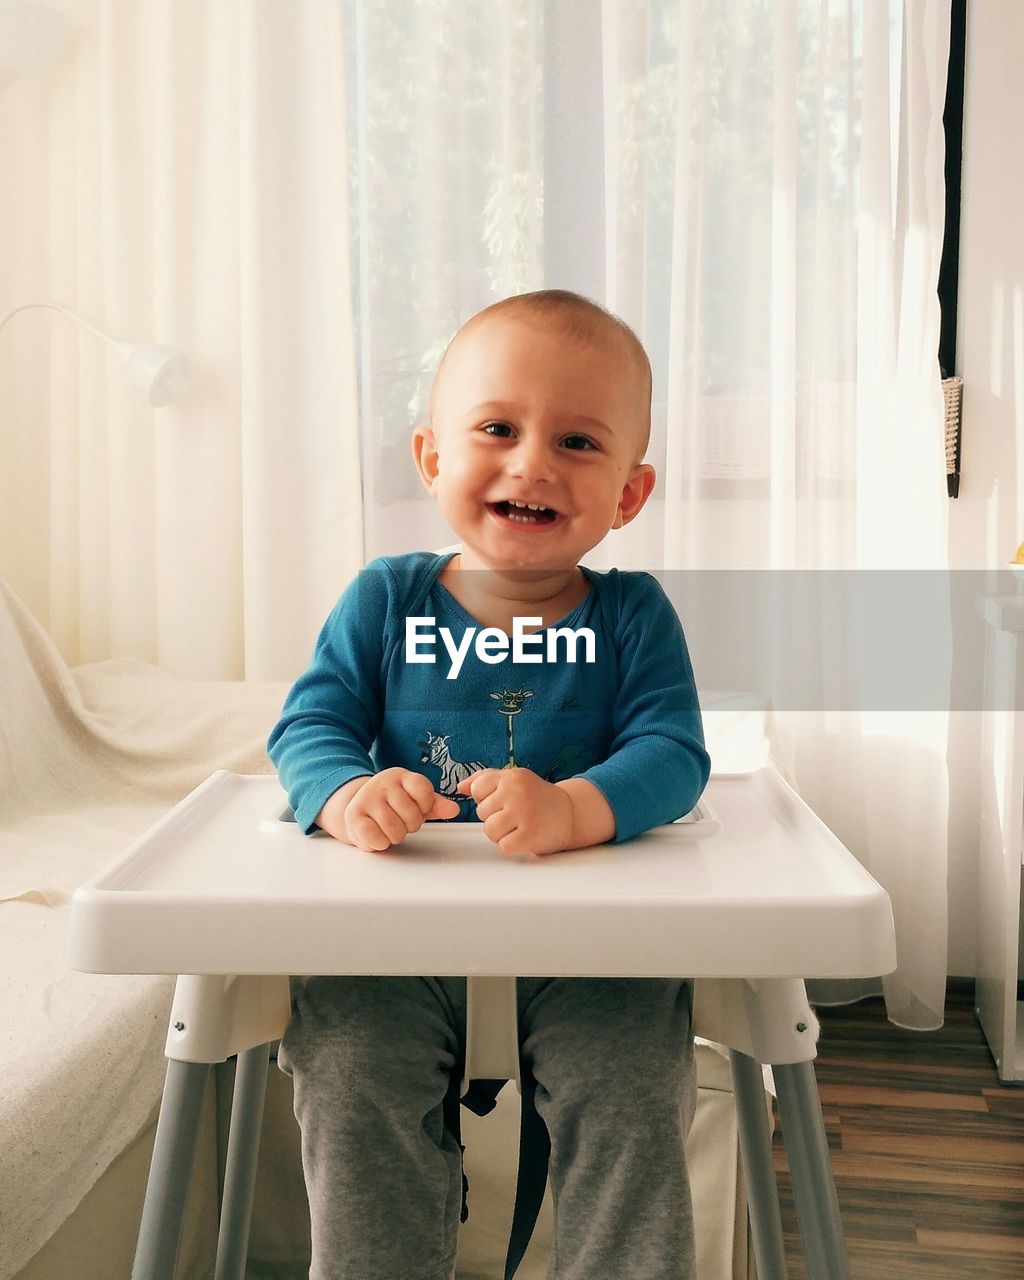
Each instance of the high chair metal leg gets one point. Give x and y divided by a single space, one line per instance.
212 1018
243 1155
758 1167
770 1020
177 1133
814 1189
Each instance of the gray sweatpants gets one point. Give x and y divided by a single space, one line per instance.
371 1060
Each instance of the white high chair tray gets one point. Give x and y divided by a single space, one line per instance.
756 886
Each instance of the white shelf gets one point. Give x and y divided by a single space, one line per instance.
1000 843
1018 1055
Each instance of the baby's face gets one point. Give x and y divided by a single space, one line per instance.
533 451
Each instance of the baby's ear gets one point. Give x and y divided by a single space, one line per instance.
635 493
425 455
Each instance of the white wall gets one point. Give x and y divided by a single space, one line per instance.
987 521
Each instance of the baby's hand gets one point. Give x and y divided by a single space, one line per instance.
521 812
375 813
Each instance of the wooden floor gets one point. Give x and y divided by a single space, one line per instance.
927 1148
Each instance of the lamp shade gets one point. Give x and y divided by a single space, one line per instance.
159 372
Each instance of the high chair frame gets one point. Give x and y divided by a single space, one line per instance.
219 889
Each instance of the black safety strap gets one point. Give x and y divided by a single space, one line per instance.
534 1149
453 1123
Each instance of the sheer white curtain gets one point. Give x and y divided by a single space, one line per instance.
179 173
448 158
757 188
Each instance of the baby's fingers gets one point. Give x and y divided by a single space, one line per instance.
406 809
443 808
375 824
431 805
480 784
499 825
420 789
365 833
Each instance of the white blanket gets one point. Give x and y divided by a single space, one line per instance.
88 759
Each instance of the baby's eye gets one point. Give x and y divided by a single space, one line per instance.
580 443
499 429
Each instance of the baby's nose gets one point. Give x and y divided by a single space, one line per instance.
533 461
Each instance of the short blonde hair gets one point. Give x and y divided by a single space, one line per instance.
580 318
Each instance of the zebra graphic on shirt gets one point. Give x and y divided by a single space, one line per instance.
437 752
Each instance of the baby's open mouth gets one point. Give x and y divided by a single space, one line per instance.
524 512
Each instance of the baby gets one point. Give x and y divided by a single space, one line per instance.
539 420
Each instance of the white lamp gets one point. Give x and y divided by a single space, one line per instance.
159 372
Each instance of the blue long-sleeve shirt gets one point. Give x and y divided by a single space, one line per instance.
629 722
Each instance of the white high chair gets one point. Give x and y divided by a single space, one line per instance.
221 890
